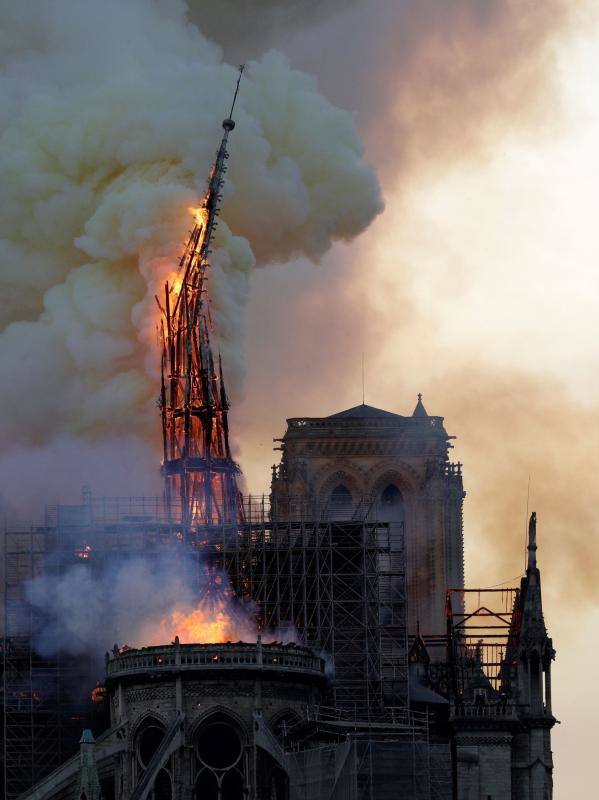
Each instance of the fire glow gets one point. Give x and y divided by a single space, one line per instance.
199 626
216 619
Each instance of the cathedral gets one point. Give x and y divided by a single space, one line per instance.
370 670
406 683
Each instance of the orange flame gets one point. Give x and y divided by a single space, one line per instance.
203 626
199 214
213 621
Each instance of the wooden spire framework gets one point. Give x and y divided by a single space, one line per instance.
199 473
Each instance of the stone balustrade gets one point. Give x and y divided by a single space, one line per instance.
229 656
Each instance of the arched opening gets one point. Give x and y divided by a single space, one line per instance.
207 786
391 504
340 500
232 786
219 759
149 740
218 745
163 787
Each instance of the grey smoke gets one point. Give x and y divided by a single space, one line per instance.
138 601
131 601
245 29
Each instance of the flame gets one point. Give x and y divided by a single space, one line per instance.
202 626
215 620
98 694
175 281
199 214
85 552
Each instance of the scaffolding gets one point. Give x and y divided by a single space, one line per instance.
339 583
482 641
389 757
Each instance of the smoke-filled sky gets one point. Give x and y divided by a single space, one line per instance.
476 285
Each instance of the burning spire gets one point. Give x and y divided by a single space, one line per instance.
198 470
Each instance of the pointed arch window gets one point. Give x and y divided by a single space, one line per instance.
163 786
391 504
149 740
220 760
341 497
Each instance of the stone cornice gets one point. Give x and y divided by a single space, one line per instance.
365 447
546 722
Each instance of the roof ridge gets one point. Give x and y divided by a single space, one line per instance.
364 411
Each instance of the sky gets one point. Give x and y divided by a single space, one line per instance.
475 284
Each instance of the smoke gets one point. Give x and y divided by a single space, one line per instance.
140 602
526 444
245 32
108 125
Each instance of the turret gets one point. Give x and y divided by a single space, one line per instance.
89 782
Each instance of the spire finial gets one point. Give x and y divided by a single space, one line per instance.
228 123
532 542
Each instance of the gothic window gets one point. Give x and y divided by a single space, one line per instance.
163 787
232 785
391 504
218 745
148 742
219 753
341 499
207 785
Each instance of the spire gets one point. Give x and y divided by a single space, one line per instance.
420 410
197 467
533 631
532 543
535 648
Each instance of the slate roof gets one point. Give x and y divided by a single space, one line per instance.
364 412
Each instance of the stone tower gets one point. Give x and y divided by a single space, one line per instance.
368 461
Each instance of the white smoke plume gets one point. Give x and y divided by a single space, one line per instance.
140 602
109 120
